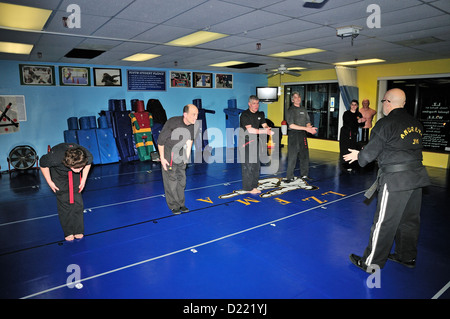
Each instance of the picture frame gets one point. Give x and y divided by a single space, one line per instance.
146 80
107 77
74 76
180 79
38 75
223 81
202 80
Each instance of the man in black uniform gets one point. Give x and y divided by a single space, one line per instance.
174 145
396 142
252 124
299 124
65 168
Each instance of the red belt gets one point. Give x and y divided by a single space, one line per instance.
71 201
71 194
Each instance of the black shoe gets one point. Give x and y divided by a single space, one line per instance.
357 261
306 178
409 263
184 209
288 180
176 211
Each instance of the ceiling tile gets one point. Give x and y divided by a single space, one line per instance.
126 27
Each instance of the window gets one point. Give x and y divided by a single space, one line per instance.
428 100
322 103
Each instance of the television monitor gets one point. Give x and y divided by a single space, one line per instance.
267 93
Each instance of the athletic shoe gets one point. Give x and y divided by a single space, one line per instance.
184 209
409 263
357 261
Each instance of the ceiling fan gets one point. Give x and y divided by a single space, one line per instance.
283 70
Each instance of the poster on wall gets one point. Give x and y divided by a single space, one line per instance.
180 79
435 118
37 74
107 77
202 80
143 80
17 105
224 81
74 75
12 111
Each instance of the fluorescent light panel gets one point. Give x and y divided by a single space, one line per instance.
358 62
23 17
227 63
139 57
196 38
16 48
296 52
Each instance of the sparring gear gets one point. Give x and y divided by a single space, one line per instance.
142 122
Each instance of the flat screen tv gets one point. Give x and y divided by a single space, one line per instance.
267 93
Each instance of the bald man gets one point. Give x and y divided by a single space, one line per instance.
367 114
396 143
174 145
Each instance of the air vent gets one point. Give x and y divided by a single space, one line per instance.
83 53
247 65
419 41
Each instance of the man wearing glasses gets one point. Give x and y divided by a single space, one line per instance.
396 143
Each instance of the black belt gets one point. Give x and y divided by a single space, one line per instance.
391 169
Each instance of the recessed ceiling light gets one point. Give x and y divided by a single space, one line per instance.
16 48
358 62
297 52
197 38
227 63
139 57
23 17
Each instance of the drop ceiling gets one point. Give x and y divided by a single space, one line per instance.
410 30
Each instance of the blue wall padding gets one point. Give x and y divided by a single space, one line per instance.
107 146
88 139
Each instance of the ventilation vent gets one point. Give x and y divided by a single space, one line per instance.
419 41
247 65
83 53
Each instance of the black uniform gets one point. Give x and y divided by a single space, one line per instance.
175 178
297 141
69 201
248 147
396 142
349 133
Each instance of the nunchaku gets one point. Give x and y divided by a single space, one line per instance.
247 143
7 117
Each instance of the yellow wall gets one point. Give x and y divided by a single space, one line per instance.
368 84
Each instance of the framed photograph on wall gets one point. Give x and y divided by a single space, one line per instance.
202 80
37 74
179 79
74 75
224 81
107 77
